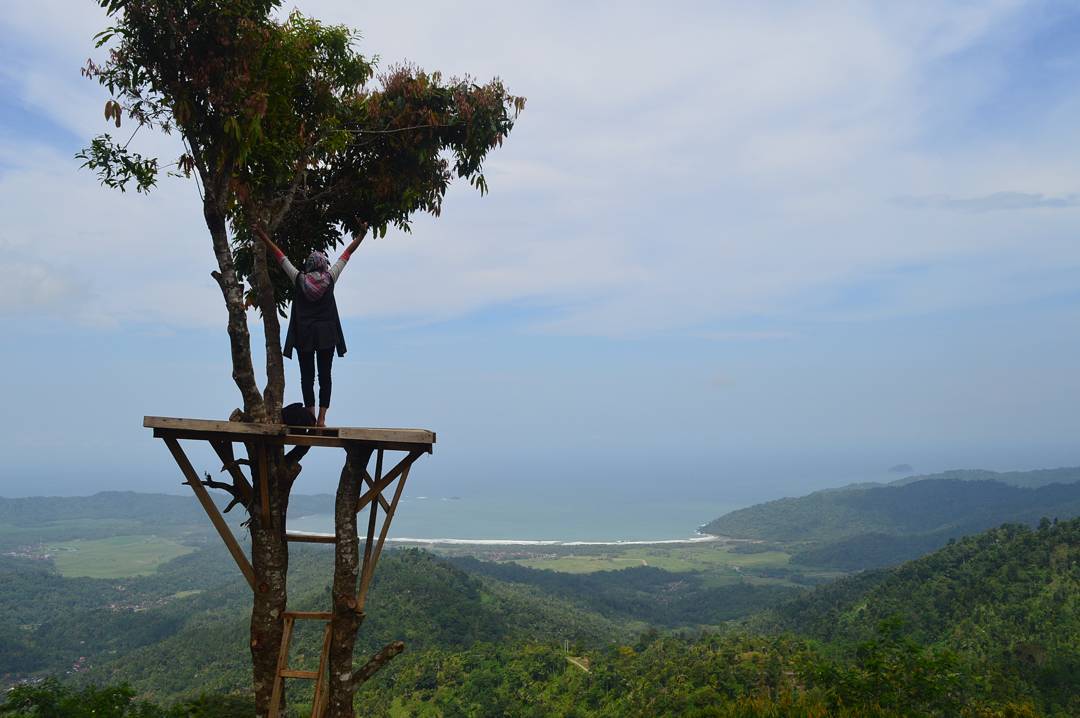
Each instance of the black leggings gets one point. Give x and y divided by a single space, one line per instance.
307 376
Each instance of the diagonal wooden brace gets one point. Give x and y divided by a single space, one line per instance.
211 510
381 484
370 564
371 482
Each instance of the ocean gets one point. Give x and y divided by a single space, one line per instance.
489 519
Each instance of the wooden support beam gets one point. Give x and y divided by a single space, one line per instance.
205 425
308 615
365 578
234 431
375 490
282 665
334 441
211 510
371 482
291 673
318 701
389 516
369 543
310 538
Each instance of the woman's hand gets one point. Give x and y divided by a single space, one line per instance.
260 232
357 237
265 238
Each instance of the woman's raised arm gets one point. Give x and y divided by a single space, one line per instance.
262 235
286 265
339 265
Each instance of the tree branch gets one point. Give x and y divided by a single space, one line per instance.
237 491
380 659
274 391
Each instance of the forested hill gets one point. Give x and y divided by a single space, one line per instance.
128 505
106 514
1024 479
183 629
872 526
1010 597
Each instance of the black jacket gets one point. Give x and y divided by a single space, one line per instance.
314 325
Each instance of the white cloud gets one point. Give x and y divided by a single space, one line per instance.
676 166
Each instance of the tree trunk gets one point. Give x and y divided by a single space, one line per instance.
269 549
346 620
233 292
275 369
270 559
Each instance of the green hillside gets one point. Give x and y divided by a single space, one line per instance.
1024 479
870 526
184 629
643 593
988 626
109 514
1009 597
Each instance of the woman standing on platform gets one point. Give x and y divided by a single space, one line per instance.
314 326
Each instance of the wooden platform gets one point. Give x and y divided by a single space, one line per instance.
389 439
259 440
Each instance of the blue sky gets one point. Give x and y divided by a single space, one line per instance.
746 250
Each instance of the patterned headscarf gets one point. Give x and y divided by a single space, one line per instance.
316 278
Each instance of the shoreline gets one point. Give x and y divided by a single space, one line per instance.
699 538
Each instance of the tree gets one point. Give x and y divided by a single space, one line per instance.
282 124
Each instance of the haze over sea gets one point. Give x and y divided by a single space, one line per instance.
482 518
670 505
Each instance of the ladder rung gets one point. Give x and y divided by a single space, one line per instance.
289 673
310 537
310 615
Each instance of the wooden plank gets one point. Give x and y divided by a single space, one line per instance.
295 440
365 567
309 615
301 537
292 673
212 511
282 666
392 439
390 515
264 484
317 702
226 427
400 436
374 491
207 435
365 579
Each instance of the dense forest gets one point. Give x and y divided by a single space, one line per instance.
1025 479
872 525
988 625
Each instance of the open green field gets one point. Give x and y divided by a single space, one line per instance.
707 558
12 536
116 557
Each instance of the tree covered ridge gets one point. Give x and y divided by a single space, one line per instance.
874 525
916 508
987 626
1009 597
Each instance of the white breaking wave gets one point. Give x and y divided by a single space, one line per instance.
700 538
552 542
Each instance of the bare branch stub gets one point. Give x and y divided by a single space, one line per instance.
380 659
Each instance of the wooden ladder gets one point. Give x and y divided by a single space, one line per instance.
319 701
